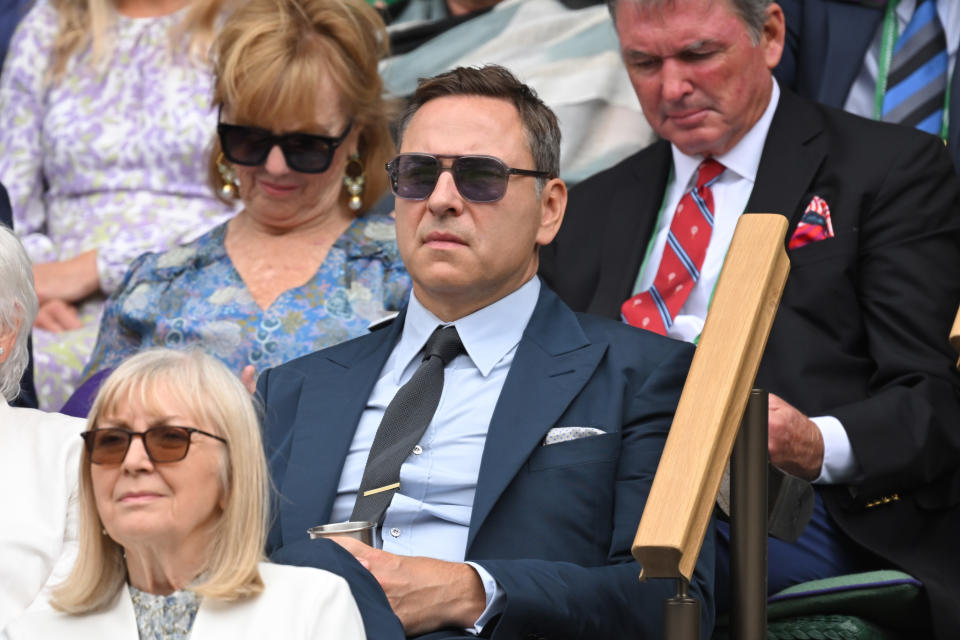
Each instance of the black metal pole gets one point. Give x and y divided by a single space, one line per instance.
748 523
681 615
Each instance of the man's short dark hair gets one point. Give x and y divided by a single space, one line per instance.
493 81
752 12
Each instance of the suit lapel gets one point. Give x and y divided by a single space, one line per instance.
849 30
634 206
553 362
792 155
953 136
332 398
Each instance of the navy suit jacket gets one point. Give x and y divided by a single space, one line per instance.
825 47
28 396
861 332
553 524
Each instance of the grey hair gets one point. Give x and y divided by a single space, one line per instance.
493 81
753 13
17 302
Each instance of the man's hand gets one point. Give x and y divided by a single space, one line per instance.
795 442
56 316
69 280
426 594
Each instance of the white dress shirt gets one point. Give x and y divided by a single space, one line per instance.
862 94
430 513
731 192
39 471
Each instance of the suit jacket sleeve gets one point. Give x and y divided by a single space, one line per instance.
379 620
564 600
904 431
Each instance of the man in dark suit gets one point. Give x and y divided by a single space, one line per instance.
829 43
860 340
518 505
28 396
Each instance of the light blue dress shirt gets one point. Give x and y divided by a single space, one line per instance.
430 514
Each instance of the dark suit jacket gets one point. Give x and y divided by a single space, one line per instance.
826 43
553 524
28 396
861 333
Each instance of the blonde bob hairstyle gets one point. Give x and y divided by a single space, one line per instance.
84 23
215 398
269 62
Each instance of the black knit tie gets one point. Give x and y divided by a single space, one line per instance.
403 424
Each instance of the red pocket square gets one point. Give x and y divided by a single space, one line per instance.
814 225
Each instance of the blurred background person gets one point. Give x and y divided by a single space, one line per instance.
105 122
303 139
890 60
173 504
39 454
566 50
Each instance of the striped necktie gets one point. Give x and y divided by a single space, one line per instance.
917 80
679 270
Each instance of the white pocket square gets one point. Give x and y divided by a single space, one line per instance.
564 434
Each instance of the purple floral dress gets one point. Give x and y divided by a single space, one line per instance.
111 158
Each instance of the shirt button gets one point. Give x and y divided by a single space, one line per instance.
417 450
395 532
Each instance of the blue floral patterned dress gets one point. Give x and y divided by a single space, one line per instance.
193 295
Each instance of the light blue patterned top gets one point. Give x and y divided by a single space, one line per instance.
193 295
164 617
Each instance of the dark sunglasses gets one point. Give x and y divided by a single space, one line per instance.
303 152
162 444
413 176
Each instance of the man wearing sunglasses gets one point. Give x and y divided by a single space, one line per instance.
508 506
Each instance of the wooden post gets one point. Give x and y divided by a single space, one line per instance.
714 397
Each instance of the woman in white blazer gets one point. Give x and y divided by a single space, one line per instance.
173 518
39 453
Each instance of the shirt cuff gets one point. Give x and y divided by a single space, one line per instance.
839 464
496 599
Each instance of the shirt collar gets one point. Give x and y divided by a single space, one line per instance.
487 334
905 9
743 159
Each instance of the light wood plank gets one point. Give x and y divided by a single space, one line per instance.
714 397
955 335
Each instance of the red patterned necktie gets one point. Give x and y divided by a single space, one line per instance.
687 241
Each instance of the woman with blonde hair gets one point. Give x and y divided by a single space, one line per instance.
105 122
173 510
303 139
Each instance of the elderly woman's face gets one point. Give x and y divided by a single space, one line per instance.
278 196
143 503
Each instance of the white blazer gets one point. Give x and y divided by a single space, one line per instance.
296 603
39 470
